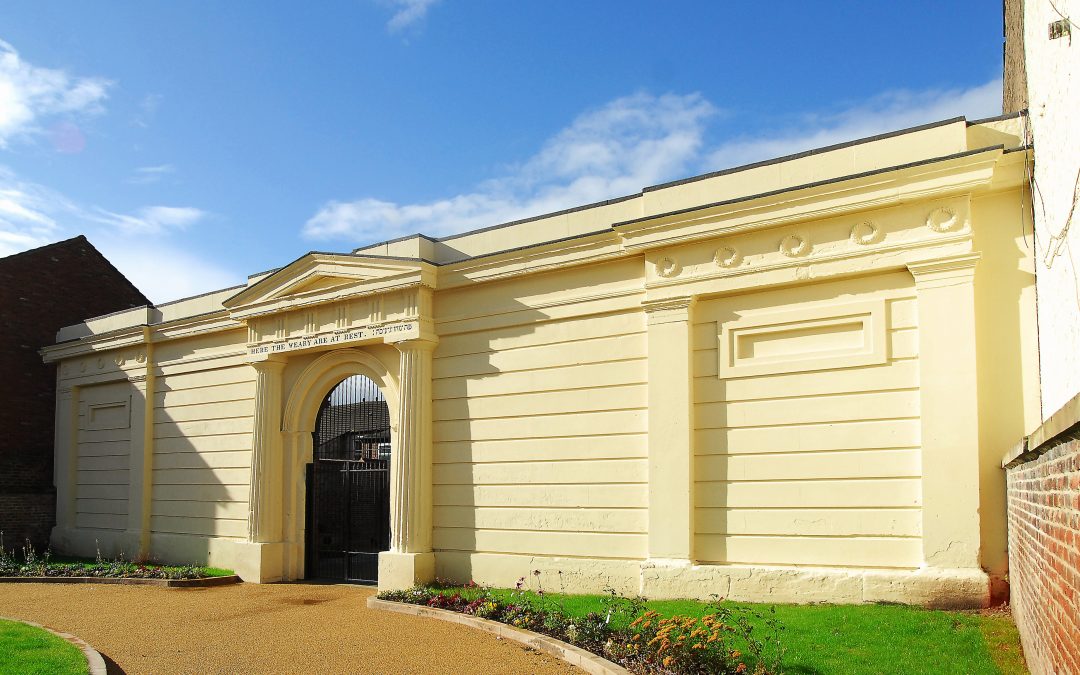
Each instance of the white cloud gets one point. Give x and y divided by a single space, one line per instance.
29 93
886 112
26 213
629 144
163 271
33 215
150 219
144 175
407 13
611 151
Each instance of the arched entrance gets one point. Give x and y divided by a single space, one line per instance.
348 483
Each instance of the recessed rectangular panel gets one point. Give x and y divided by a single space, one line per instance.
821 338
115 415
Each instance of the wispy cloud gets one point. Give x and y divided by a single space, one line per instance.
407 13
886 112
150 219
148 108
138 242
27 213
144 175
162 269
33 215
631 143
29 94
614 150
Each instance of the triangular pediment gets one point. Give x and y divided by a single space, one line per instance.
325 277
316 281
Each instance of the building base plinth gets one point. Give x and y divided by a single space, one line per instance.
259 562
398 571
930 587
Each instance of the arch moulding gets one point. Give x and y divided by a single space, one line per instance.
323 374
298 422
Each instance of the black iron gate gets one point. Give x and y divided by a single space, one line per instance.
348 484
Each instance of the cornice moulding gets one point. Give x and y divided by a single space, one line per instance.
947 176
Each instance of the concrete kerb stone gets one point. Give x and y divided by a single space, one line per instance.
94 661
167 583
587 661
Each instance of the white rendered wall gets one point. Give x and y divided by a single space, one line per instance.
1054 109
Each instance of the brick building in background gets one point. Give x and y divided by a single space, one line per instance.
40 291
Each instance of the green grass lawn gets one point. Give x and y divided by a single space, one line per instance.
862 639
90 562
32 651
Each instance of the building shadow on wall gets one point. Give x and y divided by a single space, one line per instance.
460 391
201 464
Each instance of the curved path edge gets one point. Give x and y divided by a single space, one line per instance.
129 581
94 660
575 656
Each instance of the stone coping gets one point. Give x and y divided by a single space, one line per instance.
94 662
1064 422
575 656
167 583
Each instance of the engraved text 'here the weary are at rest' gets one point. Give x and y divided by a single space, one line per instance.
333 339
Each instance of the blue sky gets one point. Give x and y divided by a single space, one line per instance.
198 142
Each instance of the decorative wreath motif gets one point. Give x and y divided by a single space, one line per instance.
141 358
119 360
667 266
942 219
795 245
727 256
865 233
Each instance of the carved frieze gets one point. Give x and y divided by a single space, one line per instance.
667 267
843 242
943 219
865 233
727 256
795 245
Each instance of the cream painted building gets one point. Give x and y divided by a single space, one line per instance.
791 381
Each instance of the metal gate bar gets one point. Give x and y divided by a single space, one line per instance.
349 484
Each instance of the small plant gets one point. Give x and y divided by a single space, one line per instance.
722 642
33 564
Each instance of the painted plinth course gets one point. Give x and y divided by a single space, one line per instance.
791 382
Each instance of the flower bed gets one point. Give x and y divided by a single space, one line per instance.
33 565
721 641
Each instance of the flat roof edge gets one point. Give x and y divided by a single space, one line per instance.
804 186
805 153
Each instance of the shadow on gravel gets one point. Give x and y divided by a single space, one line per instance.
112 667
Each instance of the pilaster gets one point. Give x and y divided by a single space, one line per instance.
671 431
65 455
141 464
410 560
950 422
265 492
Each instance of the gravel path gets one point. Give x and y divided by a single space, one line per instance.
272 628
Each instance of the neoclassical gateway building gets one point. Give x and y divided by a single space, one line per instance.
789 381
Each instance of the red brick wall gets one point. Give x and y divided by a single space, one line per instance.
42 290
27 517
1044 555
